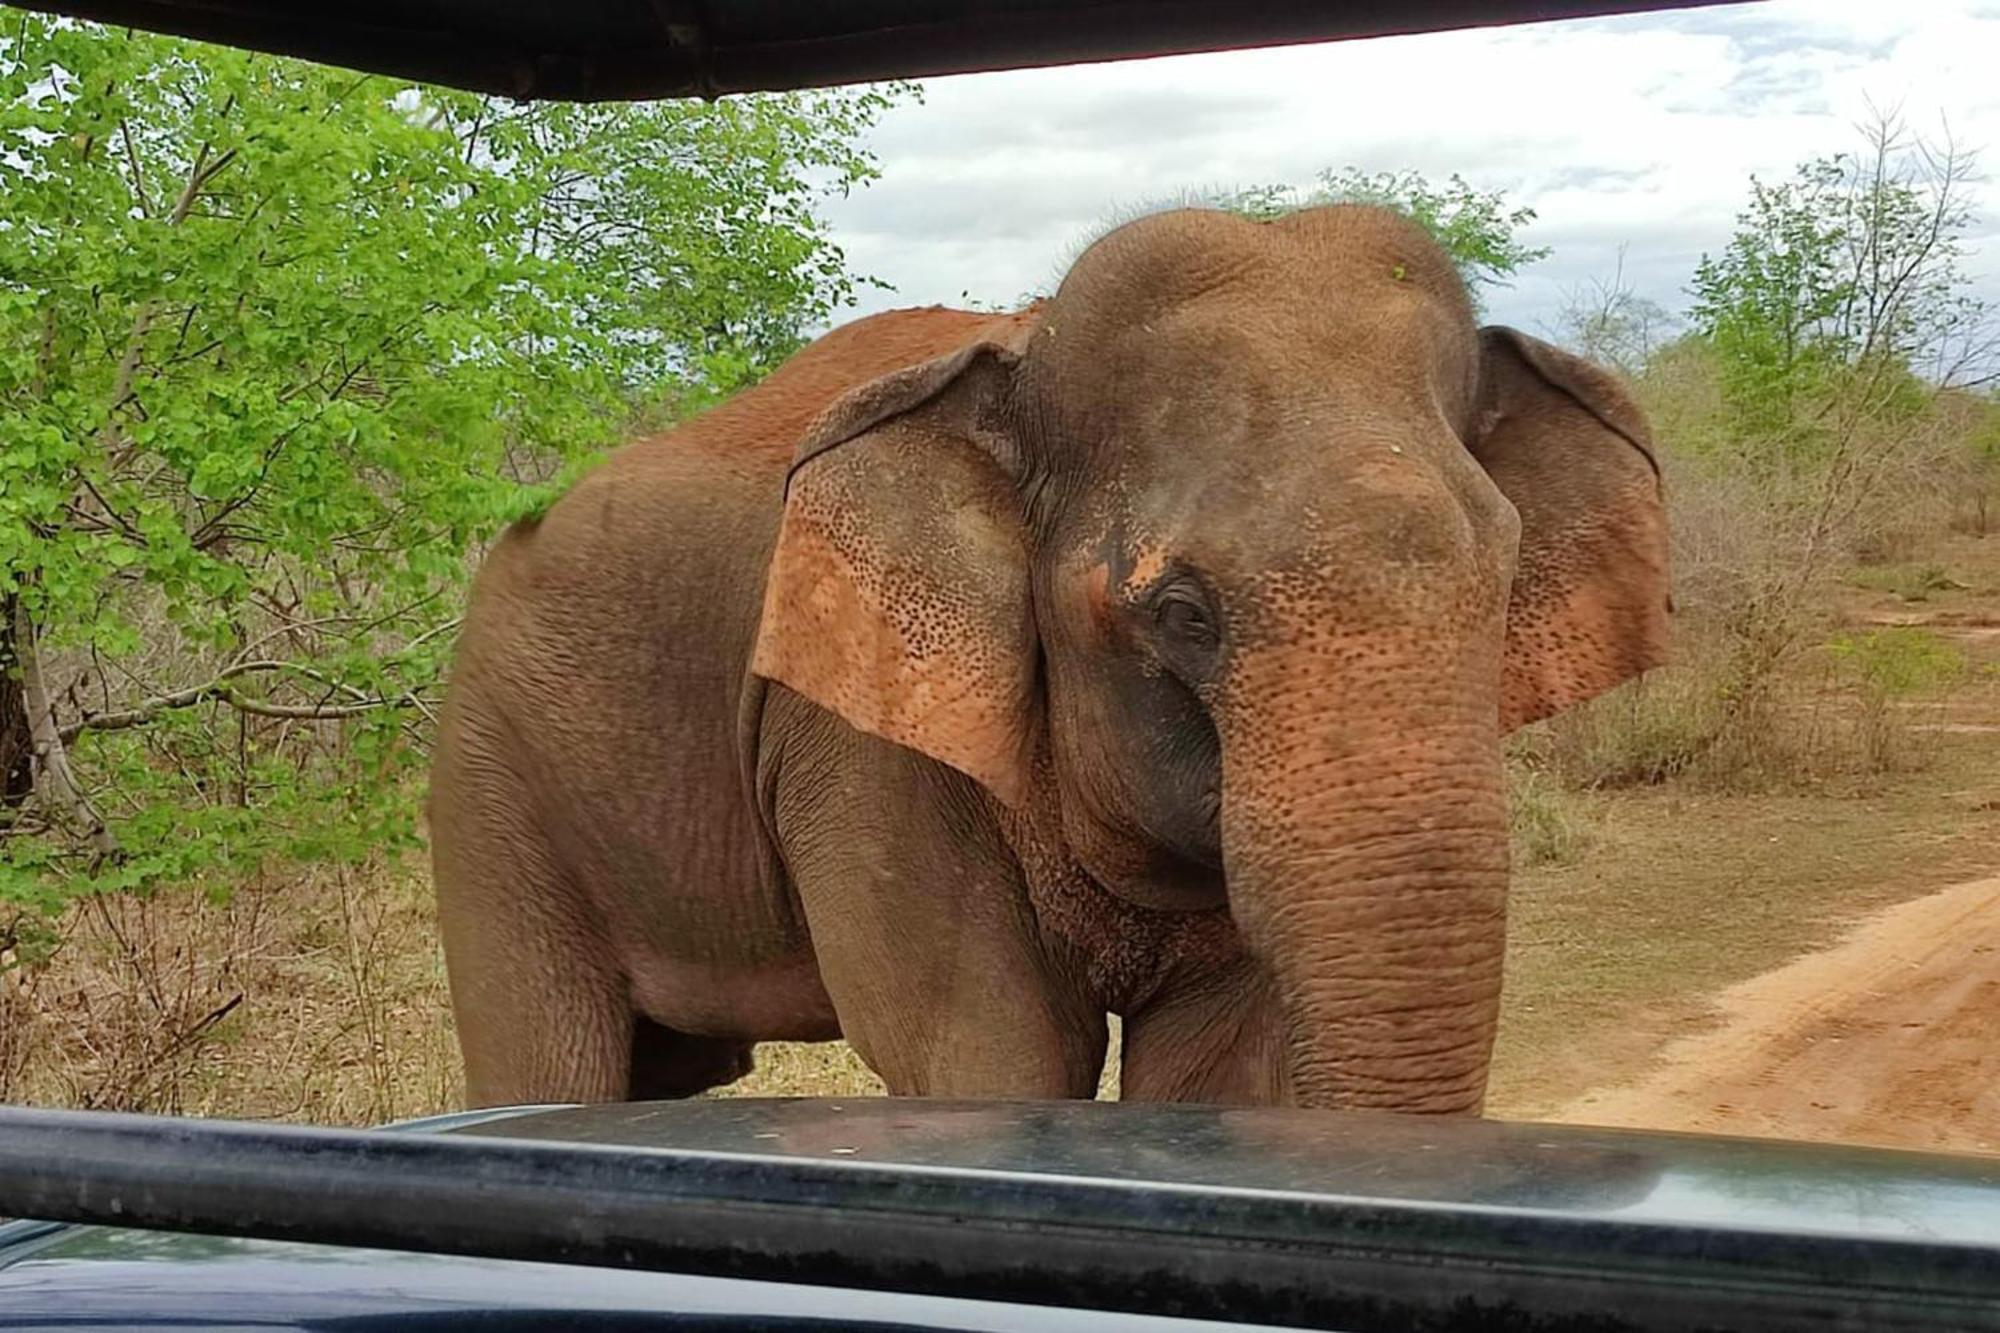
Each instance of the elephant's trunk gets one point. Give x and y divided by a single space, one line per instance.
1367 867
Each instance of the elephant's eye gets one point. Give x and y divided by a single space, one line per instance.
1180 614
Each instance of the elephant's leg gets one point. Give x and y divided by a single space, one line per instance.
982 1015
542 1013
921 924
1219 1040
667 1064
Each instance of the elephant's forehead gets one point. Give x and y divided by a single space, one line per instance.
1183 252
1280 334
1221 398
1315 471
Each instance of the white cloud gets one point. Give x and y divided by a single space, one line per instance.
1639 131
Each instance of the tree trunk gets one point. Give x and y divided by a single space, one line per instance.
17 745
58 786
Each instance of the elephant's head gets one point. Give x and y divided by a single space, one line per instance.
1249 550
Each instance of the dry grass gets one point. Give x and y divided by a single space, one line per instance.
1546 824
832 1069
798 1069
320 998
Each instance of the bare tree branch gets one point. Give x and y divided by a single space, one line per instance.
445 627
138 177
220 690
1607 321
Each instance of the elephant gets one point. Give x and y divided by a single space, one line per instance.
1148 651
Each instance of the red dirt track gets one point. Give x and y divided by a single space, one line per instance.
1891 1038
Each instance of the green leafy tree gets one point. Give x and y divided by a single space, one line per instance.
1477 228
278 344
1770 302
1848 275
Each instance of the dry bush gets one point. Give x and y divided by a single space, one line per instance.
1925 480
320 998
1754 697
1973 470
1545 824
1899 679
119 1011
1975 508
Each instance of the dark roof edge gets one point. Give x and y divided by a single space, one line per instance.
681 48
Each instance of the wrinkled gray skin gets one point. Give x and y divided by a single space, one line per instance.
1148 652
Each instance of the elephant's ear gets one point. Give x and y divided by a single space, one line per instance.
1566 444
898 594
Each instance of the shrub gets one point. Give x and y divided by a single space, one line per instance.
1758 551
1890 669
1543 821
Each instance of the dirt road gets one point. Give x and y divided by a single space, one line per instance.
1891 1037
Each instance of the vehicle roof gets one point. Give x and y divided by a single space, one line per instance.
1278 1217
1667 1179
595 50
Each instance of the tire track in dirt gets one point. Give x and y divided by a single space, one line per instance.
1890 1037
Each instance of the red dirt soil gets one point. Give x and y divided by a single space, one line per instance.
1891 1037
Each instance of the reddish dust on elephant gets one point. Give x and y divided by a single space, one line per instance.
1147 652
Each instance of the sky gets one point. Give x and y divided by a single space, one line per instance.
1639 132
